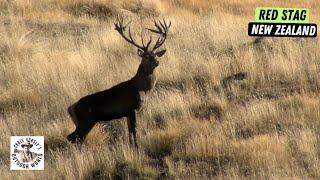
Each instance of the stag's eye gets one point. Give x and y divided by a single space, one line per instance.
156 62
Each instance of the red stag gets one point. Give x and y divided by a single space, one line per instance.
126 98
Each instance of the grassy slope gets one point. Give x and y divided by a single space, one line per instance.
54 52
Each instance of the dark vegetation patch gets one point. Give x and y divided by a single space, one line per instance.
259 44
141 8
116 130
159 147
200 7
55 143
58 29
268 125
52 29
202 83
232 78
11 105
263 48
206 111
294 103
9 53
302 158
272 93
128 170
242 92
244 132
209 165
98 173
229 81
161 119
125 170
171 85
5 53
164 170
4 157
236 9
93 10
229 52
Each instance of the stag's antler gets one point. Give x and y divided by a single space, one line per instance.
162 30
121 28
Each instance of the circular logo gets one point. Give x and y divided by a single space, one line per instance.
27 153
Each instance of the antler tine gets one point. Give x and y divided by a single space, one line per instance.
121 28
149 42
142 40
120 21
130 35
127 24
167 26
163 27
165 23
162 30
156 24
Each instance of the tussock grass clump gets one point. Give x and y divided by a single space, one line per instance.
130 170
55 143
160 146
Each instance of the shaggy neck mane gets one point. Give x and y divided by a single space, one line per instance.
145 79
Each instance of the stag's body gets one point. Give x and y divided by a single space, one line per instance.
117 101
122 100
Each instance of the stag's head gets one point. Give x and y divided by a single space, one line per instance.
148 54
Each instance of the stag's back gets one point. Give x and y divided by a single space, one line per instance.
115 102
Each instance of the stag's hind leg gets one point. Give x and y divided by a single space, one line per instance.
132 126
83 124
72 114
73 136
81 132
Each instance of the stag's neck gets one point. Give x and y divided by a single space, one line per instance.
145 80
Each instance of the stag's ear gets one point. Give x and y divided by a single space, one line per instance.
140 52
160 53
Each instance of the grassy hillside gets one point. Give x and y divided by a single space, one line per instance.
193 127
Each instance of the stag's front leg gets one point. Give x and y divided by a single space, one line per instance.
132 125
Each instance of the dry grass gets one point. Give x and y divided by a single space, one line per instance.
267 126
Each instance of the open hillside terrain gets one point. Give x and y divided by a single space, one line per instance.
200 121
